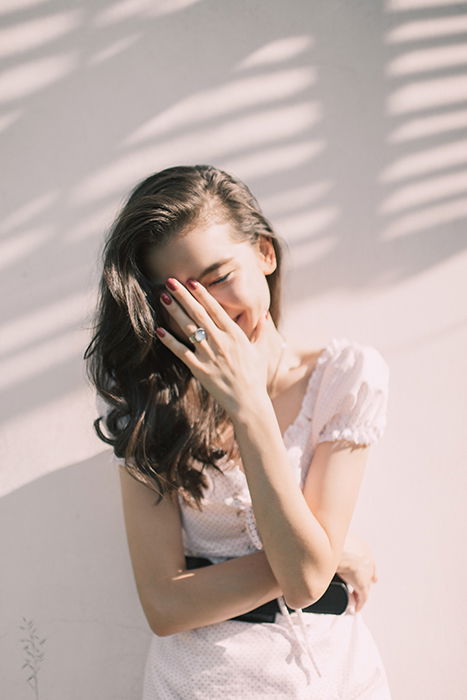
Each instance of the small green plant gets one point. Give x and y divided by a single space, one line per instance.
34 654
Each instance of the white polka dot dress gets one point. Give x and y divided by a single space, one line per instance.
301 655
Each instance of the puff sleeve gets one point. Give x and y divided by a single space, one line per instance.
352 398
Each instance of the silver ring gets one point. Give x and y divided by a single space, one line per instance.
198 335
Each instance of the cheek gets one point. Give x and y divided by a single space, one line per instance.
243 292
233 295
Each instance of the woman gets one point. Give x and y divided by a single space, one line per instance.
256 450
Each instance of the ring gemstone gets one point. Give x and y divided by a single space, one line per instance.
199 334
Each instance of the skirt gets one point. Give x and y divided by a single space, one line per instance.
235 660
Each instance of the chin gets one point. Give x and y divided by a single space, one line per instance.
240 321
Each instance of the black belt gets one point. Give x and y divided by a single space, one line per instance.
334 600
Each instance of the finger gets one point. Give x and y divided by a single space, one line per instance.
189 300
186 322
179 349
364 595
216 312
361 599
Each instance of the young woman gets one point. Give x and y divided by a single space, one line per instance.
256 451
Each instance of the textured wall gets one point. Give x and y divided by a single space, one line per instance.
348 121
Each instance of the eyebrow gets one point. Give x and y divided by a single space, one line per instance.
210 268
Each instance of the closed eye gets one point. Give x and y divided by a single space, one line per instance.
221 279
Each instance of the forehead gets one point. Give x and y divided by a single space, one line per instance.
189 255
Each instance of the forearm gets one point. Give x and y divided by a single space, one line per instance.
204 596
296 545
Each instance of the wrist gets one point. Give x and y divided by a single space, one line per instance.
345 564
252 408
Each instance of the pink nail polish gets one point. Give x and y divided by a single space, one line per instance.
171 284
193 284
160 332
165 298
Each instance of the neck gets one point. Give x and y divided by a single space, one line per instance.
273 381
281 357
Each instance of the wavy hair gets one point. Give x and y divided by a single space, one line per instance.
161 419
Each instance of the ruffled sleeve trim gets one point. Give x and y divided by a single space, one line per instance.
346 399
350 402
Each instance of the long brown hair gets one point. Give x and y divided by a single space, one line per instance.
162 421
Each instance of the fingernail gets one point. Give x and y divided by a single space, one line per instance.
192 284
165 298
160 332
171 283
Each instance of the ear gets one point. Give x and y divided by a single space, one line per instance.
266 254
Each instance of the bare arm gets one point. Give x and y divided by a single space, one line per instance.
200 597
303 533
175 599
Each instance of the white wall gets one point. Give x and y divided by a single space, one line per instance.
347 120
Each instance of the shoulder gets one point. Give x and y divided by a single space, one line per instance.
349 358
351 399
342 356
308 357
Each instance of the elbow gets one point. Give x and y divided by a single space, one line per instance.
164 628
315 574
299 597
312 589
160 610
157 625
298 602
160 623
159 629
163 623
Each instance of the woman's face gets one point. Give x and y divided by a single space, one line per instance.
238 280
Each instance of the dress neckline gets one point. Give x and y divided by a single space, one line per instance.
302 411
303 404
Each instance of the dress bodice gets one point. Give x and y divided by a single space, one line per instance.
345 398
